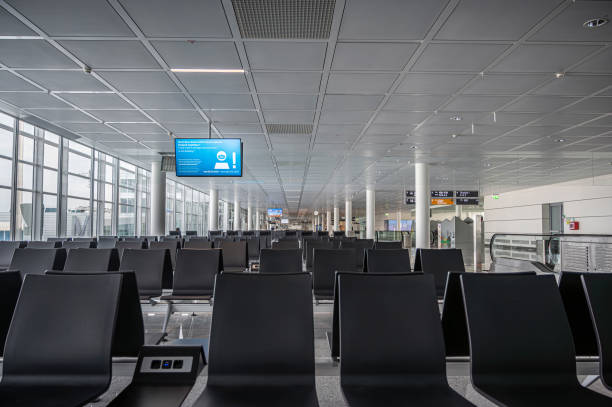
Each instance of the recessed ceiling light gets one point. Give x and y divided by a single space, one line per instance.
198 70
559 75
453 136
456 118
596 22
560 140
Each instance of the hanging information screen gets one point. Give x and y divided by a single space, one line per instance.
442 201
466 194
208 157
467 201
441 194
410 198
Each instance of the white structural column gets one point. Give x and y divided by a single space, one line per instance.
336 218
249 225
257 219
213 210
458 211
225 216
329 221
237 211
348 216
423 199
370 212
158 200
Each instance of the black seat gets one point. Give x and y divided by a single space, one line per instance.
7 249
235 256
172 245
333 336
37 261
286 244
391 358
598 287
454 325
59 239
10 284
360 246
280 261
92 260
277 368
135 244
388 245
325 264
387 261
50 359
198 244
522 352
439 262
253 248
79 244
578 314
106 242
149 266
44 245
309 247
194 277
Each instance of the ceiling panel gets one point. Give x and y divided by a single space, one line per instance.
112 115
224 101
539 104
458 57
33 54
436 84
290 116
233 116
414 102
568 25
477 103
62 115
96 100
549 58
139 81
505 84
575 85
600 63
65 80
592 105
230 128
351 56
32 100
287 82
111 54
199 54
286 55
10 82
9 25
351 102
139 128
160 100
348 117
287 101
88 127
392 117
176 116
360 83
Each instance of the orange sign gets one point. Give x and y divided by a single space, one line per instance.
442 201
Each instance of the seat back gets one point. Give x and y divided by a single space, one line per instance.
235 254
578 314
129 328
10 284
134 244
92 260
519 333
325 264
381 346
148 266
62 331
79 244
274 311
598 287
171 245
107 242
195 271
253 248
44 245
37 261
335 333
59 239
360 246
388 245
310 245
454 325
279 261
198 244
387 261
285 244
7 249
439 262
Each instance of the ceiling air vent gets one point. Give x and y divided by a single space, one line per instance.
284 19
289 128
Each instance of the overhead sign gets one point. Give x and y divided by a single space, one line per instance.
467 201
441 194
275 212
442 201
466 194
208 157
410 200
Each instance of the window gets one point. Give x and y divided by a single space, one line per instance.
49 184
104 206
170 205
24 208
127 199
78 204
143 207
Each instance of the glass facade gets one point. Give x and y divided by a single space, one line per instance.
186 208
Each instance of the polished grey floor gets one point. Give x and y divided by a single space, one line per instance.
328 389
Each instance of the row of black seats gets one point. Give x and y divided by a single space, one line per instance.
522 352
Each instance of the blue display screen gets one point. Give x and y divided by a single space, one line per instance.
208 157
275 212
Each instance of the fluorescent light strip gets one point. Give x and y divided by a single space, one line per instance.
197 70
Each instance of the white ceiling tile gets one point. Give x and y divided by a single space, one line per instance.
88 127
96 100
334 129
469 19
449 117
414 102
505 84
111 54
138 128
567 25
289 116
389 19
119 115
345 117
160 100
65 80
62 115
33 54
287 82
224 101
575 85
393 117
601 63
9 25
468 103
71 18
233 116
176 116
199 54
374 83
194 19
440 130
508 118
539 104
389 129
372 56
32 100
532 131
564 119
351 102
433 83
287 101
103 137
584 131
458 57
10 82
286 55
549 58
592 105
187 128
229 128
139 81
604 121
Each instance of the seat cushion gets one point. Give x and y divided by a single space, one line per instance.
261 396
434 396
43 396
